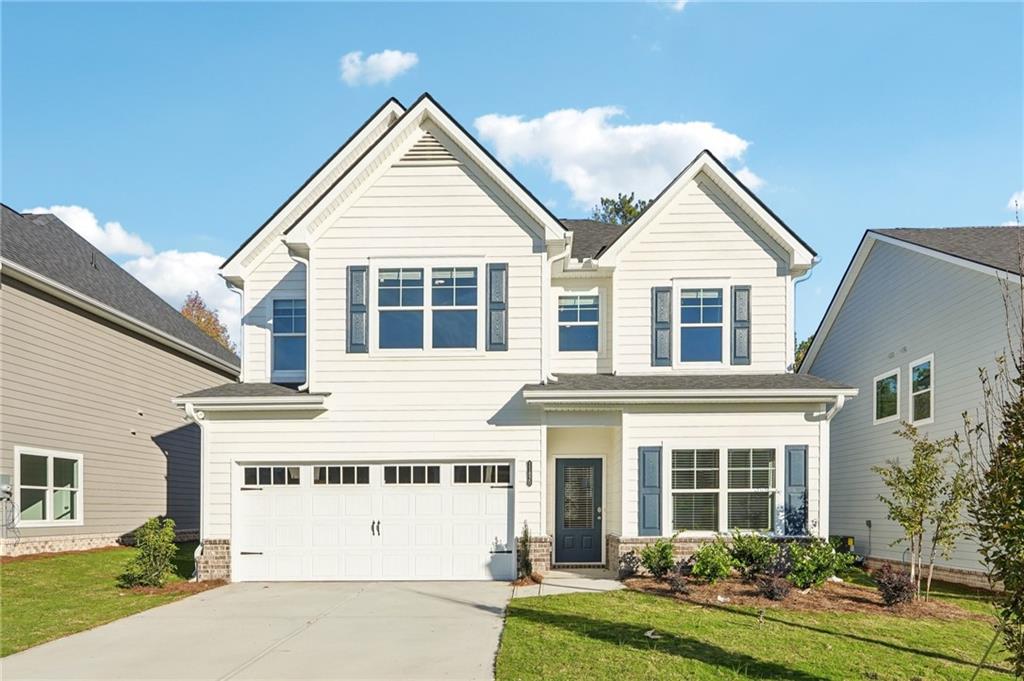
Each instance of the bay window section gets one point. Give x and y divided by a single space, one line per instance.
701 325
400 308
578 319
751 489
288 329
453 298
695 483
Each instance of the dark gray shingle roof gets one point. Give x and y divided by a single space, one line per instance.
734 381
46 246
998 247
591 237
249 390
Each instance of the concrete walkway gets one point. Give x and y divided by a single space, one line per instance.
582 580
337 630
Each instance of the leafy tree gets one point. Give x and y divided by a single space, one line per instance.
622 210
801 352
199 313
947 520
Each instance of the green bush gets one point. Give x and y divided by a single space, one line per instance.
712 562
154 557
815 561
657 558
754 554
524 565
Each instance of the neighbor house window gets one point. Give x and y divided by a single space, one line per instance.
751 489
288 326
341 475
49 487
271 475
887 396
578 323
700 322
400 308
453 299
922 397
412 475
695 483
481 473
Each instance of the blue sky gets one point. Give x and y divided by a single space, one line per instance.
188 124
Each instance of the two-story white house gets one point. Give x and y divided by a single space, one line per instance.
432 362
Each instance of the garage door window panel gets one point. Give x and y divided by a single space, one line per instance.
271 475
412 475
491 474
341 475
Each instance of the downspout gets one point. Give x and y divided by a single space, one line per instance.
309 307
241 328
801 280
548 376
198 417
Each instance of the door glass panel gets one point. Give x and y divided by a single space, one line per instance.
578 499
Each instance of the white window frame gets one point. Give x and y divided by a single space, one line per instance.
695 490
772 489
677 350
874 397
561 292
287 375
80 489
427 265
930 359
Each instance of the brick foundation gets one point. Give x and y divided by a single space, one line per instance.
215 560
972 578
24 546
616 547
540 554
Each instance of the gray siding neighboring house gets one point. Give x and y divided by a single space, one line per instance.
89 361
909 294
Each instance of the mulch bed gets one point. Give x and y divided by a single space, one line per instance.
178 588
535 578
829 597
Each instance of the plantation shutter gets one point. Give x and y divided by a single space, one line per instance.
741 325
661 326
649 519
796 489
358 333
497 306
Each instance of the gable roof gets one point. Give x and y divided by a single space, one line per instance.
591 237
707 162
993 250
43 249
426 107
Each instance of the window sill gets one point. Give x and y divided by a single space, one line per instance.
923 422
887 419
49 523
440 353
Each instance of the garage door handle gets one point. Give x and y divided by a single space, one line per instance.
378 528
371 529
251 553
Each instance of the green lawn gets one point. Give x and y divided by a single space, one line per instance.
45 598
601 636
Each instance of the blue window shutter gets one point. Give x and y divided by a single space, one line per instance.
741 325
497 306
649 519
358 328
796 489
661 326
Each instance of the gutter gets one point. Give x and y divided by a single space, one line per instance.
296 402
304 261
683 396
198 418
69 295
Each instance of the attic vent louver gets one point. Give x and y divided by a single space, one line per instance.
428 151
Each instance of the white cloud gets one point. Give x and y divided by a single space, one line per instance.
110 237
595 157
1016 201
747 177
678 5
379 67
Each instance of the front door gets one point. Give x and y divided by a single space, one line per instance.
578 532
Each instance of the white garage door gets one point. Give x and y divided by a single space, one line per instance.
372 521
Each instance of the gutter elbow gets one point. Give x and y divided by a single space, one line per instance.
840 401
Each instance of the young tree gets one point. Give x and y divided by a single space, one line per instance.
622 210
947 519
196 310
801 351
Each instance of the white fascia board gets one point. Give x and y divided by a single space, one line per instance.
70 295
801 259
391 109
542 397
298 402
853 272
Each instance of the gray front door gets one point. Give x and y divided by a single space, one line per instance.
578 532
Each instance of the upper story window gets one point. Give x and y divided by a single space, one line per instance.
413 318
887 397
701 333
48 487
922 397
578 318
288 326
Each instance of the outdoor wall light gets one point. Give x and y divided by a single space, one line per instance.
529 474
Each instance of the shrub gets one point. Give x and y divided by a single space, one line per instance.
154 557
657 558
896 586
524 565
712 562
773 588
753 554
629 564
815 561
677 584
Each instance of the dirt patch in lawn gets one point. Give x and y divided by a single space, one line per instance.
178 588
530 580
829 597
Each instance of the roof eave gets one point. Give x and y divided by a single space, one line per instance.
549 396
303 402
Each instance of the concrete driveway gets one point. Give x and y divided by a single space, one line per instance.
353 630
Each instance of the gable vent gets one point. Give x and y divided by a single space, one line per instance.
428 151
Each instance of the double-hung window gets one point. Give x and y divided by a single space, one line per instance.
922 397
887 396
701 326
453 301
578 318
288 326
695 484
400 308
49 487
751 489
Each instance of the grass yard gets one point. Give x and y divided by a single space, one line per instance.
52 596
602 636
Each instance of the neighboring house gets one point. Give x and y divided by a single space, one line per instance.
916 315
90 443
432 361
